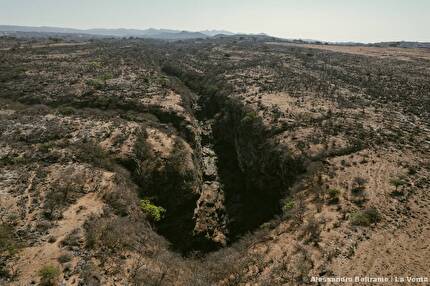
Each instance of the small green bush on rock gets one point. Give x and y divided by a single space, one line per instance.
154 212
288 205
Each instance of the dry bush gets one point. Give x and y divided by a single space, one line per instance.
332 196
62 193
92 153
164 269
49 275
72 239
358 190
8 247
301 265
53 204
312 231
123 200
117 234
217 267
90 275
295 209
65 257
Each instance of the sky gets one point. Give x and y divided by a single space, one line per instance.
327 20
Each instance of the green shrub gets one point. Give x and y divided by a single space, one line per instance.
360 182
366 217
54 201
294 209
288 205
397 182
45 147
66 110
249 118
95 83
8 243
49 275
100 81
72 239
104 77
8 73
412 170
92 153
312 230
64 258
95 65
154 212
333 196
358 191
359 186
373 214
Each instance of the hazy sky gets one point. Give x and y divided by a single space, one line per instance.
332 20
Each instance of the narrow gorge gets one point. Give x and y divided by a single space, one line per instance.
242 173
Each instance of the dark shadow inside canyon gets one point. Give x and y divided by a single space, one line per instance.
247 206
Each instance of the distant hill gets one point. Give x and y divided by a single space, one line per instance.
169 34
147 33
401 44
212 33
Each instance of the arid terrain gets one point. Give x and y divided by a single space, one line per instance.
224 161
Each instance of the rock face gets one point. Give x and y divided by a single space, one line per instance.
210 214
210 172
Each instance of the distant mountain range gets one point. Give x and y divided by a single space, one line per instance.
147 33
168 34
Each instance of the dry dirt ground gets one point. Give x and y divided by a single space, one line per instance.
231 161
407 54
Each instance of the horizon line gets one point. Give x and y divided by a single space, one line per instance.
212 29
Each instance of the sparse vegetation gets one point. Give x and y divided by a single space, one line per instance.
397 182
72 239
333 196
49 275
66 110
155 213
95 83
312 230
8 243
92 153
53 204
287 206
100 81
188 156
64 258
365 218
359 186
294 209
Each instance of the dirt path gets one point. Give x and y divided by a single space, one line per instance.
27 194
